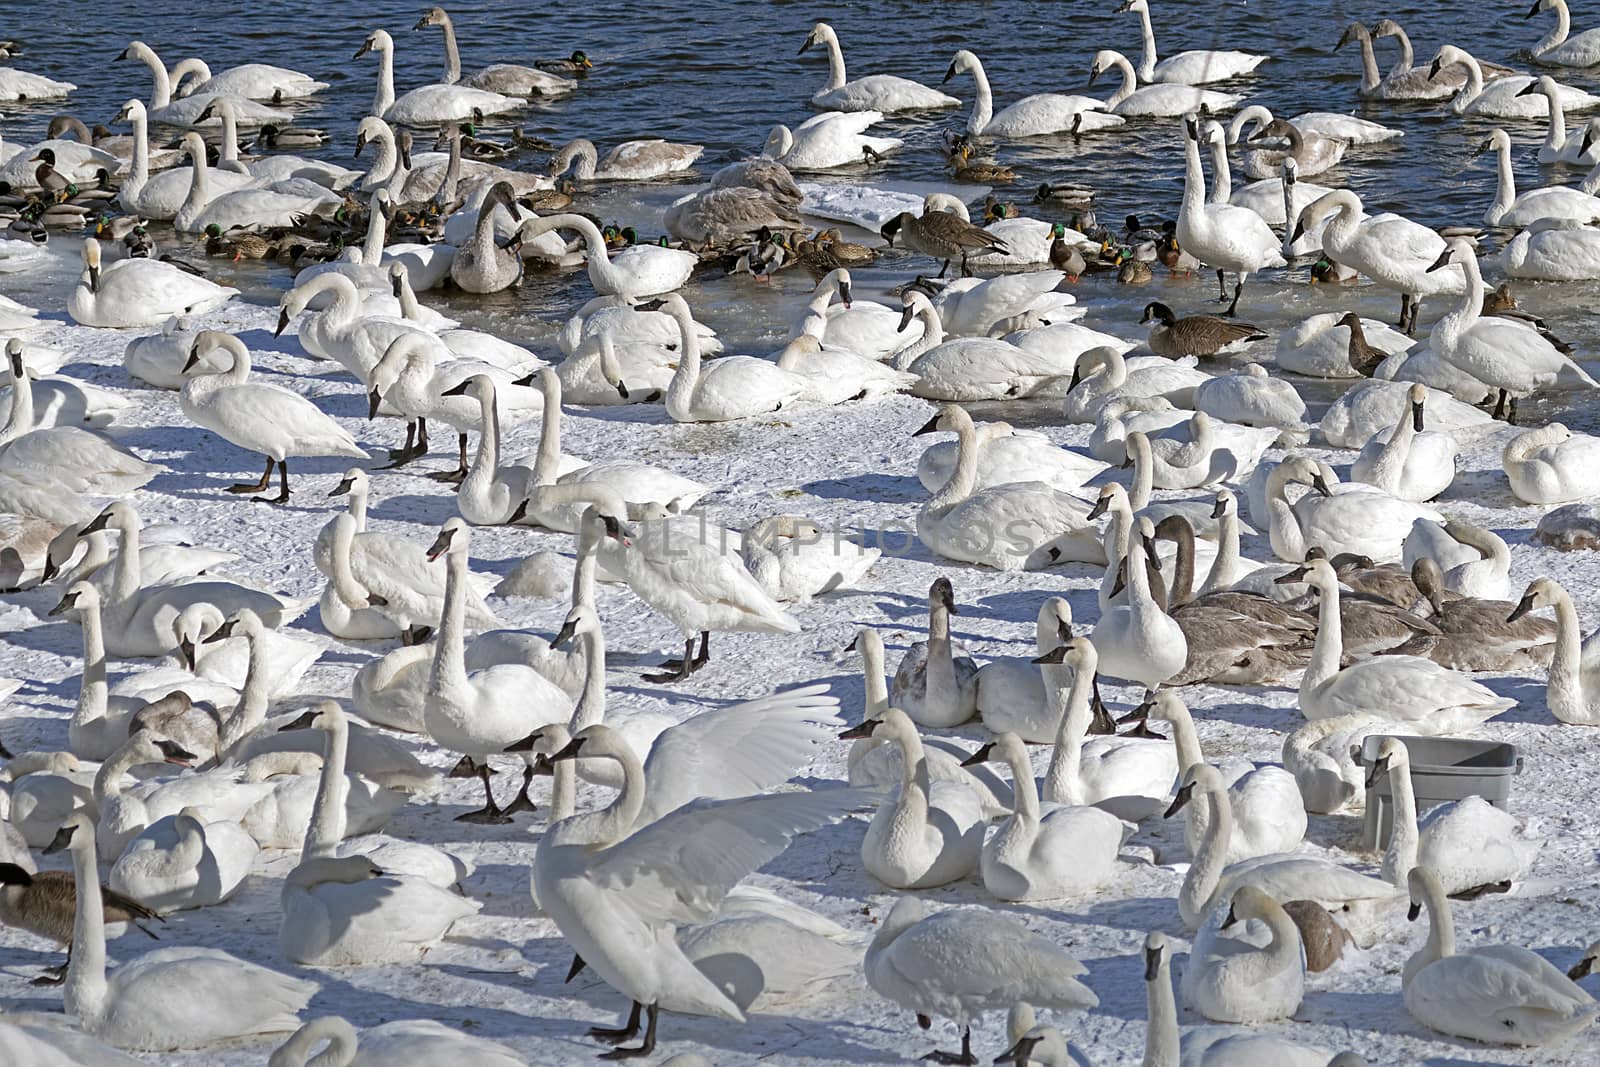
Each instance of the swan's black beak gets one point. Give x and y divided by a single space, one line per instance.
906 314
94 278
366 46
342 488
395 285
1416 416
1150 553
1582 969
63 838
186 653
809 42
460 388
96 524
844 298
931 426
1094 74
650 305
1433 69
175 753
951 73
1219 509
526 744
1152 964
1320 484
220 634
1379 768
861 729
570 751
304 722
1099 508
1529 89
980 756
1294 577
1524 606
1056 655
1180 800
1534 10
283 322
519 514
373 400
564 635
1443 260
67 603
441 545
1413 911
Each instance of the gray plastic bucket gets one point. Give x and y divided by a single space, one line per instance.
1442 769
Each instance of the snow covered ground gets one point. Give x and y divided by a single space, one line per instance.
500 973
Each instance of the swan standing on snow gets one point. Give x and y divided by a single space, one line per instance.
1409 462
929 832
1015 526
258 417
1405 689
1039 115
1221 235
1064 852
414 1042
1196 67
960 963
1497 994
171 998
877 92
589 876
1136 640
138 292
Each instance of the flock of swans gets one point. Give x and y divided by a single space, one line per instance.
1339 530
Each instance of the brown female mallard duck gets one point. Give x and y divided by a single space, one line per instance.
238 243
979 171
848 253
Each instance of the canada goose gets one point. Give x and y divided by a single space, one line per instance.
942 235
44 904
1195 335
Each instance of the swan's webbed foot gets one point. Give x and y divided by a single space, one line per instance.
283 480
576 969
414 635
1482 890
255 487
676 670
645 1047
52 975
466 767
522 801
491 812
458 475
615 1034
964 1057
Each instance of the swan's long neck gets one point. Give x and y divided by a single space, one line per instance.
911 806
372 246
84 993
876 683
548 460
1407 56
358 505
1284 952
836 78
1118 533
345 586
1144 479
1147 59
384 100
199 183
1441 928
1472 88
1555 137
616 821
1461 317
1283 527
1370 78
1130 82
1565 692
686 379
139 167
1558 32
161 94
340 1049
486 462
1328 648
1221 173
591 707
1187 742
92 695
251 710
328 811
1200 884
1225 566
965 478
445 198
1062 784
1140 601
230 134
932 337
452 54
1161 1037
1194 184
108 778
602 272
385 161
942 689
1342 222
983 103
1390 464
483 245
449 654
1404 840
20 419
1024 791
1505 190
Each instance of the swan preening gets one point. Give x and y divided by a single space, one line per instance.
1312 562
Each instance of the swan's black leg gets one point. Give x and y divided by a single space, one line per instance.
283 480
645 1047
619 1033
704 655
255 487
676 670
1222 287
522 801
964 1057
1237 289
399 457
460 473
490 812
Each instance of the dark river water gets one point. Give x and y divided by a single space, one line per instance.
721 73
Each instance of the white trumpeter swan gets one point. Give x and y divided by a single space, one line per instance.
636 272
1210 881
417 1042
1573 688
1014 526
1409 462
181 862
1558 49
62 459
928 833
1222 236
1136 640
1497 994
732 387
138 292
1338 517
876 92
960 963
1046 855
630 161
589 877
171 998
1166 100
268 419
1511 208
1501 98
480 713
1418 692
251 81
831 139
426 105
1233 979
1552 465
933 685
1039 115
1014 693
1194 67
